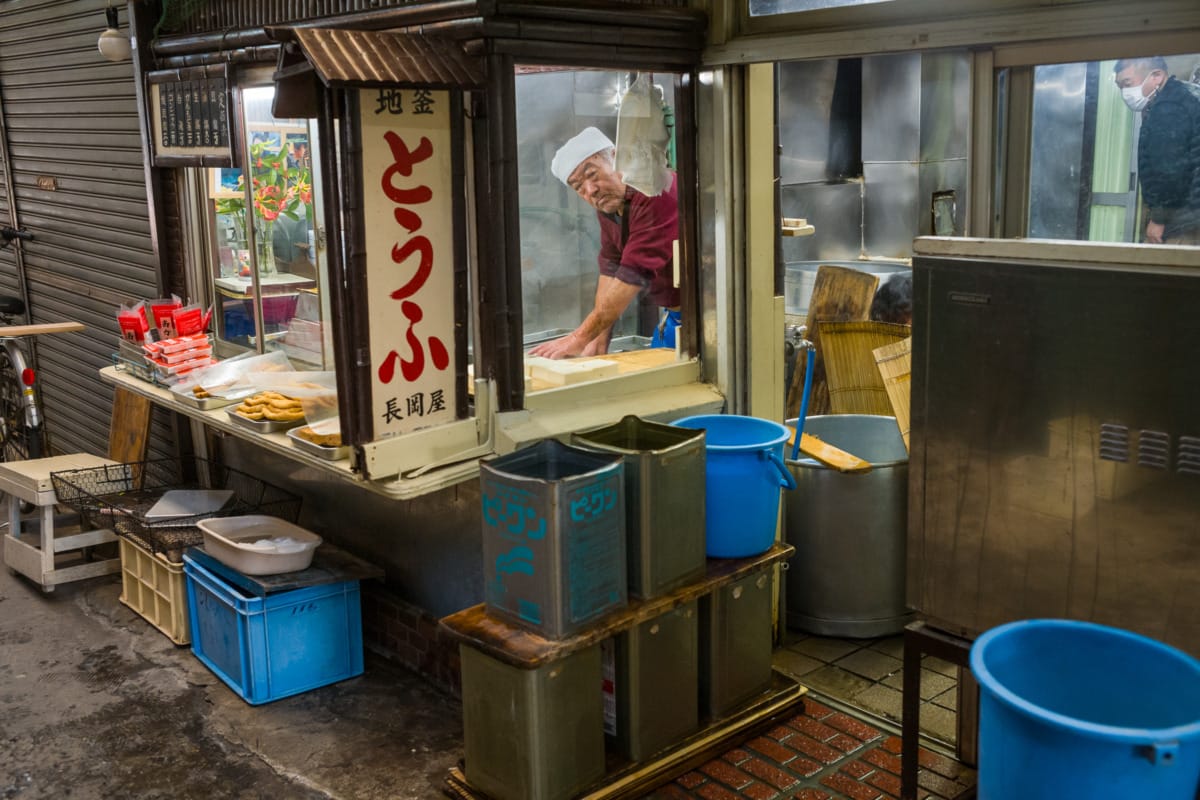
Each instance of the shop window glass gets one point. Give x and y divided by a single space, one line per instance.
1086 180
561 233
267 261
766 8
874 151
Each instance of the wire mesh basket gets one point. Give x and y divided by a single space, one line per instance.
118 497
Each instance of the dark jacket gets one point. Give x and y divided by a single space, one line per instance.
1169 157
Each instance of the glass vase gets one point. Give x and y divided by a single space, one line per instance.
265 253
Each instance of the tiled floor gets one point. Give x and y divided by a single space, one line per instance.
867 674
818 754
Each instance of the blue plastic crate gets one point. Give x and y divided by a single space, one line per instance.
283 644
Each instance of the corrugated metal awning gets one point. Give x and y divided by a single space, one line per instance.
377 58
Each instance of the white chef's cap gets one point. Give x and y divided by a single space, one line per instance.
584 144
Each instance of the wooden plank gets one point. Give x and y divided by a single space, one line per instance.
37 330
826 453
527 650
129 434
839 294
895 367
631 781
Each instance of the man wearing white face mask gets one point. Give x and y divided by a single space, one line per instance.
1168 147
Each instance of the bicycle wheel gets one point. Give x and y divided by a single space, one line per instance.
18 441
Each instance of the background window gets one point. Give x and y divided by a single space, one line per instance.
269 295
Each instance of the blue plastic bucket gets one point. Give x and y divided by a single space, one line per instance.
744 472
1075 709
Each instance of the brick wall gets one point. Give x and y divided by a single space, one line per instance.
407 635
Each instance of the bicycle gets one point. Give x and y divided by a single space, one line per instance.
22 427
22 431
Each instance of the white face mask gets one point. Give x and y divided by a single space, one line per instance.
1133 97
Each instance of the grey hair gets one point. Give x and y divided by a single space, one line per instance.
1148 63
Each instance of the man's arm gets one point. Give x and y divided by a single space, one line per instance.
612 297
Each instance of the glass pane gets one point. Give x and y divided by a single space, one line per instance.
276 281
1100 170
873 152
765 8
570 249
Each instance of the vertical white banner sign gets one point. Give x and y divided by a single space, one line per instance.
409 226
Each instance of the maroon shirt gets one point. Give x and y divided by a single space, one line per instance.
635 248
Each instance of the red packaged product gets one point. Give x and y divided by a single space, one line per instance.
188 320
163 312
133 322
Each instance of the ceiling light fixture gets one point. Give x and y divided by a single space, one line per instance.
113 44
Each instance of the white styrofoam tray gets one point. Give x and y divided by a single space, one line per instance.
257 544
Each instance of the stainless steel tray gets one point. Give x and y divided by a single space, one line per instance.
321 451
203 403
262 425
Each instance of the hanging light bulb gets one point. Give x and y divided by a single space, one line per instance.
113 44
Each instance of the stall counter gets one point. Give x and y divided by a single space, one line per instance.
397 488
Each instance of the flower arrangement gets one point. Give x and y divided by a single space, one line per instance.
276 189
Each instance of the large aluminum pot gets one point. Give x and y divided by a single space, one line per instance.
847 575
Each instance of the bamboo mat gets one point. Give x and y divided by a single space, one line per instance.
855 385
894 362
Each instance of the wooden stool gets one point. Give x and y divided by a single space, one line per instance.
920 639
33 554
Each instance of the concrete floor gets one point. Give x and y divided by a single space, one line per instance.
96 703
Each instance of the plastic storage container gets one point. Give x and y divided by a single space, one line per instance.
285 643
1076 709
664 481
256 544
743 477
834 518
156 589
553 537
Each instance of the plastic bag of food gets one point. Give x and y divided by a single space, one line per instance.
238 376
316 391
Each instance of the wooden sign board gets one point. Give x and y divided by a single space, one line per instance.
408 219
190 117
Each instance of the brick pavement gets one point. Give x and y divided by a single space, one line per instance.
820 754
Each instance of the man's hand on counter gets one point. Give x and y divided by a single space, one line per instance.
564 347
569 346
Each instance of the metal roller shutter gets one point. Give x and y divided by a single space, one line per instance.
77 184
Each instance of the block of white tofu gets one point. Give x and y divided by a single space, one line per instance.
471 379
564 373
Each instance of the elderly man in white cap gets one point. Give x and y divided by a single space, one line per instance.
636 235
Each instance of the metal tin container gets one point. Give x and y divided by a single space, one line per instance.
262 425
335 453
532 734
657 682
735 643
847 576
204 403
664 500
553 537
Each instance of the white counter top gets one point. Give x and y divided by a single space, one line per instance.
397 488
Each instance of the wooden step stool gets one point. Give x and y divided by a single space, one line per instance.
33 554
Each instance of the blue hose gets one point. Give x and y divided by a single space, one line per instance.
808 372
